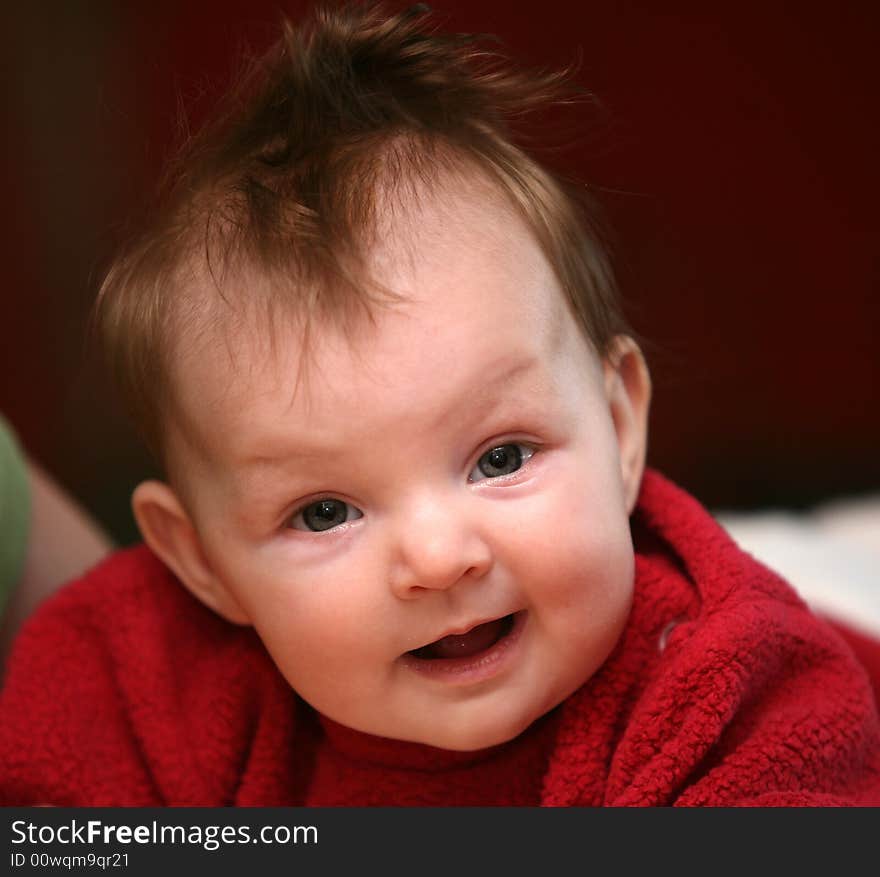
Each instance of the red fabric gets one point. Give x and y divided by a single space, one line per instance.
723 689
866 648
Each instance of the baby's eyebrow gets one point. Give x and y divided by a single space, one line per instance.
482 397
507 373
504 374
292 450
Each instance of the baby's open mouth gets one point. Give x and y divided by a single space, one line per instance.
464 645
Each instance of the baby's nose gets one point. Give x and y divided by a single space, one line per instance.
437 547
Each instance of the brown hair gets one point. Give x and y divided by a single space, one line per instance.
291 177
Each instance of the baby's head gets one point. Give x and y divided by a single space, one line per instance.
378 352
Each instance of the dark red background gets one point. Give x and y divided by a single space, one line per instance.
736 158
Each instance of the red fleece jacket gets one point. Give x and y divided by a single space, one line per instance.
723 690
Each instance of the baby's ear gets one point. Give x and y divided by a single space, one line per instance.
167 529
628 388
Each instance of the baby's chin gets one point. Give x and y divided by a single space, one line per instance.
475 736
479 740
472 736
472 743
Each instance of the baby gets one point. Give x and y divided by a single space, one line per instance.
378 352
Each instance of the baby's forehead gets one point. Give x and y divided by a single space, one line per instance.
458 277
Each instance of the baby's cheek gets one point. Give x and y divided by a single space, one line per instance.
327 622
586 564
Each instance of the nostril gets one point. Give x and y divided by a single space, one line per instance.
436 551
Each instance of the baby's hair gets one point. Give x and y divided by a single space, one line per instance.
349 109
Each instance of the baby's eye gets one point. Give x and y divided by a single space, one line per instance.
499 461
324 515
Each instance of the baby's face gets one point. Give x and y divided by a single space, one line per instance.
430 531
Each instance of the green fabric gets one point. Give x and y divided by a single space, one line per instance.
15 510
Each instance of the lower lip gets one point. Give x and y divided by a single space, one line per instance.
474 668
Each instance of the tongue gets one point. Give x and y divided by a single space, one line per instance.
466 644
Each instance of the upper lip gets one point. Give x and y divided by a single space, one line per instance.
460 629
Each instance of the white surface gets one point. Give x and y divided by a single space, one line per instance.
831 555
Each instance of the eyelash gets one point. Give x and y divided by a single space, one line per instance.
525 451
300 514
